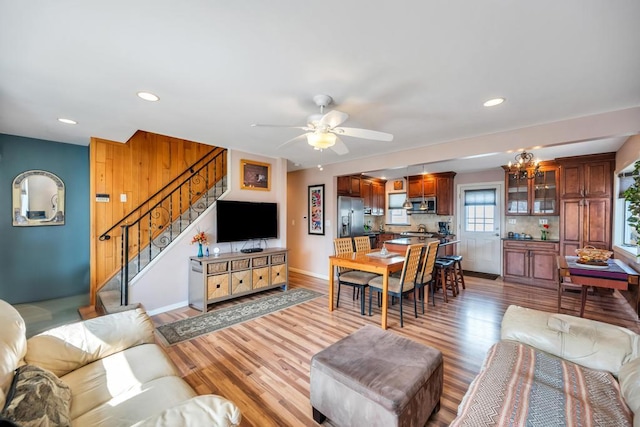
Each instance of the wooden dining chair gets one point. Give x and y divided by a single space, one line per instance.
347 276
362 243
403 285
426 274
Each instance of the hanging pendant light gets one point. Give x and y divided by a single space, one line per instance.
407 204
423 205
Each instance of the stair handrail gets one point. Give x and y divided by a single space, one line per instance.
124 258
142 215
106 236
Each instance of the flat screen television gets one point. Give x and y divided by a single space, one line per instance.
237 221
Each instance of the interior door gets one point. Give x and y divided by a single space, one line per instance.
479 216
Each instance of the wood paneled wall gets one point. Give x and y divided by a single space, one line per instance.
139 168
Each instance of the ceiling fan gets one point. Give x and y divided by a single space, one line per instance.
322 129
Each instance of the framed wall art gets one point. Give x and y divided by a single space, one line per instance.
316 209
397 184
255 175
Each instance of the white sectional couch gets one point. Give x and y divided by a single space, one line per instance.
116 374
556 369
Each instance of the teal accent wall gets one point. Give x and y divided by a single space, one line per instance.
44 262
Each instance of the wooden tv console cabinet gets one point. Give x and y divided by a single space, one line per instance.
233 274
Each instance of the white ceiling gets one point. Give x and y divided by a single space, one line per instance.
419 69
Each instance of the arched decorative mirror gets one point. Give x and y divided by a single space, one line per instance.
38 199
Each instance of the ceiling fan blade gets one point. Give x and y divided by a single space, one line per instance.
364 133
297 138
340 147
333 118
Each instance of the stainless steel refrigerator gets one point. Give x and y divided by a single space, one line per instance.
350 216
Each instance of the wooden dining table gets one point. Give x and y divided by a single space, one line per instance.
369 263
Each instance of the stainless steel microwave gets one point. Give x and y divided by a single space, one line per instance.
430 202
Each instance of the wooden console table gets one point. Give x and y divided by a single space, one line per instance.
618 276
230 275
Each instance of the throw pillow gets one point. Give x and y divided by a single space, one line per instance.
37 398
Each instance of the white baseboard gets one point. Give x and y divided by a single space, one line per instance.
168 308
309 273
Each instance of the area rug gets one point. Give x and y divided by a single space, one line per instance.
186 329
480 275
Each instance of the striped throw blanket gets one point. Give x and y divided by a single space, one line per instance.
521 386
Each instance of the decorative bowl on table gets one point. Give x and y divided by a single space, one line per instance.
593 256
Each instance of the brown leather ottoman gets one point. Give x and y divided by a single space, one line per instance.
376 378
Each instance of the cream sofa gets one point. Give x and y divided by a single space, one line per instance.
555 369
116 374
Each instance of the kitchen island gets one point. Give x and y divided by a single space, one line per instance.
447 244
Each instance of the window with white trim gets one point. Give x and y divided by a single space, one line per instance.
480 210
396 214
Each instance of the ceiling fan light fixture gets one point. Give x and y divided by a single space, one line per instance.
321 140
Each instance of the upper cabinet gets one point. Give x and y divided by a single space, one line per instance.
586 178
438 185
444 193
532 196
378 198
420 183
371 190
366 192
349 185
586 190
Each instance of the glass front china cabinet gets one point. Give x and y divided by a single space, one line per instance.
532 194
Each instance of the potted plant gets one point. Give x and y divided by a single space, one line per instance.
632 195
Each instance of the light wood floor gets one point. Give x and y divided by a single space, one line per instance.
263 365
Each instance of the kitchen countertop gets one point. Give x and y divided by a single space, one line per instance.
415 240
520 239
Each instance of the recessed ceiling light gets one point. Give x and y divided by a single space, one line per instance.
493 102
67 121
148 96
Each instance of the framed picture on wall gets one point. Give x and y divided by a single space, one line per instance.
316 209
255 175
397 184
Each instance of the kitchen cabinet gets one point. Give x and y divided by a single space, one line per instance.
585 221
372 191
535 196
586 190
438 185
349 185
586 178
378 196
230 275
366 192
531 263
414 188
383 237
444 193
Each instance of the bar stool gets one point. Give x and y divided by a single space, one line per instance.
457 267
445 277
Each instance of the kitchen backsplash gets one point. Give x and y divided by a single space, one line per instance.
531 225
523 224
429 220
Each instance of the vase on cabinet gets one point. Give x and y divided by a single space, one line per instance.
200 255
543 235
